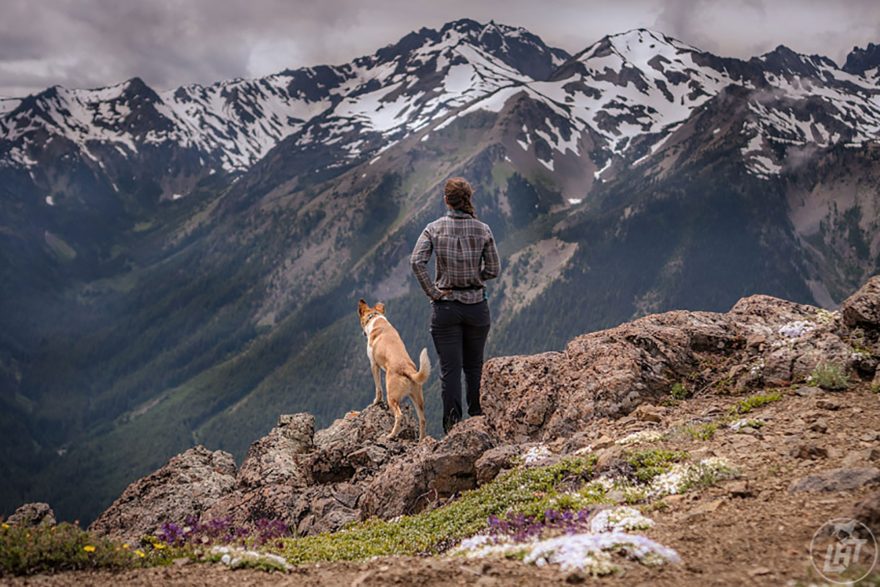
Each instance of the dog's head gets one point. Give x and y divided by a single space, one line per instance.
367 313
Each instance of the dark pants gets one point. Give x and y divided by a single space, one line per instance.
459 332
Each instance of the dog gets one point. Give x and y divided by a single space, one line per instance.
386 351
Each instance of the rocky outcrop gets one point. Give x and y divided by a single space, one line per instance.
33 514
321 481
844 479
431 472
277 457
761 341
274 471
862 309
186 486
358 441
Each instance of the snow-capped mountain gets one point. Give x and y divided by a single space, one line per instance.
233 124
627 92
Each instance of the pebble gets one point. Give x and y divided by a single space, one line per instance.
819 426
807 391
740 489
827 404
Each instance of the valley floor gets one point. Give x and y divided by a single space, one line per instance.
747 531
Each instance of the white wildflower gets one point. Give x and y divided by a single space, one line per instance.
683 476
536 454
235 557
797 328
639 437
604 482
757 368
591 553
618 519
823 316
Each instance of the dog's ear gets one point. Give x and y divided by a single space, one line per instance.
362 307
380 307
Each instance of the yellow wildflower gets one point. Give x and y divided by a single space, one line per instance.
89 548
125 546
140 553
5 526
158 546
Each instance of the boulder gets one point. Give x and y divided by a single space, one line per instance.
33 514
325 508
359 440
867 511
430 472
798 337
845 479
607 373
277 467
762 341
278 456
494 461
186 486
862 309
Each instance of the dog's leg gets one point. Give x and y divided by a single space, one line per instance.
419 402
394 404
377 379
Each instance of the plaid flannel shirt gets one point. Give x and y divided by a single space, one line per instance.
466 257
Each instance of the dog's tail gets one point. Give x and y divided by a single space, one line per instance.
424 368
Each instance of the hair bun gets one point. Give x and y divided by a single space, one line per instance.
457 194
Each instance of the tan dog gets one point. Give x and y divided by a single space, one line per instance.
387 352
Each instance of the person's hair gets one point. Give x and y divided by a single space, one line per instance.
457 194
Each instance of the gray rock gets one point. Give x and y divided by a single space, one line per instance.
867 511
339 447
187 485
862 309
494 461
808 450
33 514
325 508
429 472
845 479
278 456
607 373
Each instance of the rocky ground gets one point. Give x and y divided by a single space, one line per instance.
738 386
748 531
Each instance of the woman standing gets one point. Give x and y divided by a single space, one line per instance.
466 257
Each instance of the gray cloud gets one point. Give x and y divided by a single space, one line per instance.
91 43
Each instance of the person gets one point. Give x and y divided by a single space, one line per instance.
466 256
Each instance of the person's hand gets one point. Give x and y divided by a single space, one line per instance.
443 294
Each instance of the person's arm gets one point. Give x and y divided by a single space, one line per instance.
491 262
419 261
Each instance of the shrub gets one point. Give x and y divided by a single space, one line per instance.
701 432
434 531
744 406
828 376
679 391
650 463
65 547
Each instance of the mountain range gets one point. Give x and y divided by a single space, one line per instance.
181 266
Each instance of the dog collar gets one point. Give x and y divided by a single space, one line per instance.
370 316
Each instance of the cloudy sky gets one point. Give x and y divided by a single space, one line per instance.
91 43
